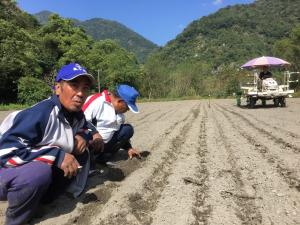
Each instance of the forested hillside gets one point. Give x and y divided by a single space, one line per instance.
208 52
235 33
101 29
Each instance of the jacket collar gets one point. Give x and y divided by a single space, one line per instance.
62 112
106 96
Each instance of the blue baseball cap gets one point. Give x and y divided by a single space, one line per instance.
71 71
129 95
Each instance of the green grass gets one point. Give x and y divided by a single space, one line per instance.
296 94
12 106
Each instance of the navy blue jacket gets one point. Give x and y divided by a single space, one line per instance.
39 133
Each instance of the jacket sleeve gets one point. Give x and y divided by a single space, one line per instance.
19 144
86 130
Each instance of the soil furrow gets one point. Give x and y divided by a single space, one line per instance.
222 209
271 136
276 199
288 175
246 207
182 183
147 115
143 204
201 209
163 115
270 125
138 211
155 145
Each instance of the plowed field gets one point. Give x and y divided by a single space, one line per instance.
203 162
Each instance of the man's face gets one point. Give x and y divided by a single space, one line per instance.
120 106
72 94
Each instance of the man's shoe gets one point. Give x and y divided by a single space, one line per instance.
103 158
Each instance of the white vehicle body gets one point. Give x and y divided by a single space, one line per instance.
268 89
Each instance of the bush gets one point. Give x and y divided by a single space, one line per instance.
32 90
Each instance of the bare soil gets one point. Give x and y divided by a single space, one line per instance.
204 162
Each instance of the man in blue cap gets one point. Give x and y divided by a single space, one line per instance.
106 112
44 143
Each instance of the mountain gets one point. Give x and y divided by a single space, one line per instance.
42 16
101 29
234 34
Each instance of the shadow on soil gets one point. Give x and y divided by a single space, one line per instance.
116 172
259 107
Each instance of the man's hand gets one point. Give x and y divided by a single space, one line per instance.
80 145
133 152
69 165
97 143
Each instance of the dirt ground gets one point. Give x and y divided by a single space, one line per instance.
204 162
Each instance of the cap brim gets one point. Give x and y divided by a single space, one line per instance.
133 108
91 77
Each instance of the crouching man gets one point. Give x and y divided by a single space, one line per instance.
106 112
50 136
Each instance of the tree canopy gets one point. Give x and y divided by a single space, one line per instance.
37 52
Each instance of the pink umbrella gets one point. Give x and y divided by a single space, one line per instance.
264 61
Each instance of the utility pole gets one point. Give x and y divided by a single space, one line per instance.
98 80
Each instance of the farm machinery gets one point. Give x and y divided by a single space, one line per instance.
268 89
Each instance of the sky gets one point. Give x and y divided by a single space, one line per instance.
156 20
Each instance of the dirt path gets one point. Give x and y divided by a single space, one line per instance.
204 163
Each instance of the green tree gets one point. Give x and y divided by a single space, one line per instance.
19 53
154 80
10 12
32 90
115 64
64 42
289 48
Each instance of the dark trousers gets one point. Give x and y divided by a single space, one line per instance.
23 187
120 139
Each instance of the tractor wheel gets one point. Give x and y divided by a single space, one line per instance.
248 101
276 102
282 102
252 102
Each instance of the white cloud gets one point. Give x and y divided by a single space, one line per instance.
217 2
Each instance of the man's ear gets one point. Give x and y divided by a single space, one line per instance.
57 88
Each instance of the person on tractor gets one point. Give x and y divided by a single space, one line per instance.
265 73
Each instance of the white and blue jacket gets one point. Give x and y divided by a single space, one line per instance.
40 133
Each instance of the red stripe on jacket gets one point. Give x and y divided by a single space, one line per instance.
12 162
94 97
50 162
